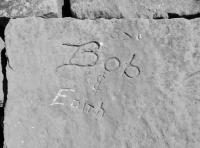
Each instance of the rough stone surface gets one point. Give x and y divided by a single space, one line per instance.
103 83
2 45
24 8
133 8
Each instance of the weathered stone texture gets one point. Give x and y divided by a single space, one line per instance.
2 45
132 8
24 8
103 83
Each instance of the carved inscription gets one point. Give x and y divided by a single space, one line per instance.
132 71
84 59
101 111
120 34
75 103
100 79
59 97
138 37
85 55
87 107
112 64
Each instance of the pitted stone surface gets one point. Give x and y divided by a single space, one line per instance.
24 8
158 109
132 8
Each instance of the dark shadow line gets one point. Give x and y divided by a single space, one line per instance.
66 9
175 15
4 60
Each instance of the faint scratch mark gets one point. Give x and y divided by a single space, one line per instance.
101 111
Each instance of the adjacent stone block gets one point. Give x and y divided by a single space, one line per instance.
102 84
132 8
19 8
2 45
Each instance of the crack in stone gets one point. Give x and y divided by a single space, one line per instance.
175 15
4 60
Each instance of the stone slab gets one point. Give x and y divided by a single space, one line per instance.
132 8
2 45
24 8
103 83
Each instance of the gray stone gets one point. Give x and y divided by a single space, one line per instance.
132 8
24 8
132 83
2 45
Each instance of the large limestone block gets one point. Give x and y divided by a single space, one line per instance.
103 83
132 8
24 8
2 45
